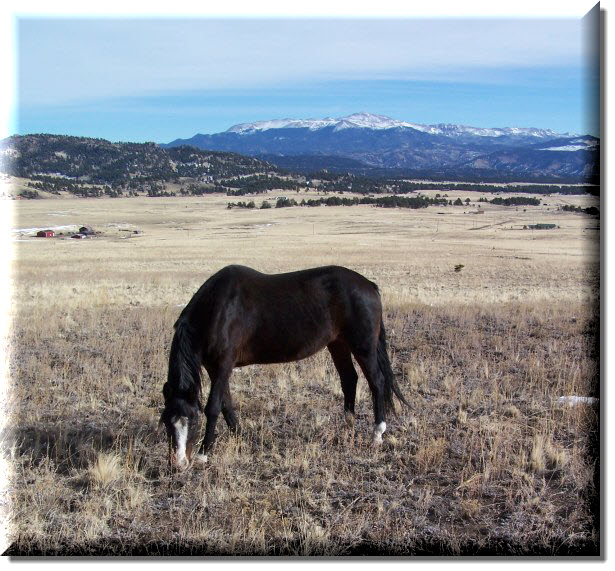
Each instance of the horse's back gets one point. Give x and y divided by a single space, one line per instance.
282 317
324 276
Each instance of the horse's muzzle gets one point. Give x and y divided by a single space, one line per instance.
178 464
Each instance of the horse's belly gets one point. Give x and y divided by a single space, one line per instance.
291 346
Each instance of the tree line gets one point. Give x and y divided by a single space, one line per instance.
383 202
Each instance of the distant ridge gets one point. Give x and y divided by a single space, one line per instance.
97 161
380 142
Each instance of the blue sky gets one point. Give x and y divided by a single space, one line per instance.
160 79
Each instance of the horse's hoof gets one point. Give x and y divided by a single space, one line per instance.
200 459
349 419
378 432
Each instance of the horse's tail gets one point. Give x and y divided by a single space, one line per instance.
184 361
390 384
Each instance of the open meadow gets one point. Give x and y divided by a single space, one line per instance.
489 324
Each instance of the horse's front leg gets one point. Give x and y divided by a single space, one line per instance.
228 411
219 386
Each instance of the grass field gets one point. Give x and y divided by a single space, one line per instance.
486 459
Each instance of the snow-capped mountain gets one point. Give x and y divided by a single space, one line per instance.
356 120
376 141
378 122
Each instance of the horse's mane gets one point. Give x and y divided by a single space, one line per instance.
184 363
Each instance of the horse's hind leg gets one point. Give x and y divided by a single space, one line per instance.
342 359
219 376
368 361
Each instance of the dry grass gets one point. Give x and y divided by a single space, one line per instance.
484 460
105 470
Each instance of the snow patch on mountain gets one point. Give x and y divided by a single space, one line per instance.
312 124
580 145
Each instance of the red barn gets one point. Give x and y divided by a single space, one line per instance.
45 234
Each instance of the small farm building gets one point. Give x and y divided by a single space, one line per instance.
45 234
78 236
87 230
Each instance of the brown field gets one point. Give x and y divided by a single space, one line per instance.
486 459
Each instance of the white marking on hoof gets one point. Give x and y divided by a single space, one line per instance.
200 459
379 431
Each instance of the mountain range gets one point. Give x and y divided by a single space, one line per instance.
362 142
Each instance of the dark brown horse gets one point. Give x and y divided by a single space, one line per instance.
241 317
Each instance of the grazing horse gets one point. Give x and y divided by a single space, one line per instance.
241 317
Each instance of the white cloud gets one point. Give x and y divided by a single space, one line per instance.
60 61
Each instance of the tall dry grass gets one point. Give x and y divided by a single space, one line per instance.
485 460
485 457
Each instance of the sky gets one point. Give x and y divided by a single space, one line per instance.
158 79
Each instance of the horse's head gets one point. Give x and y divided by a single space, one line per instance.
180 419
